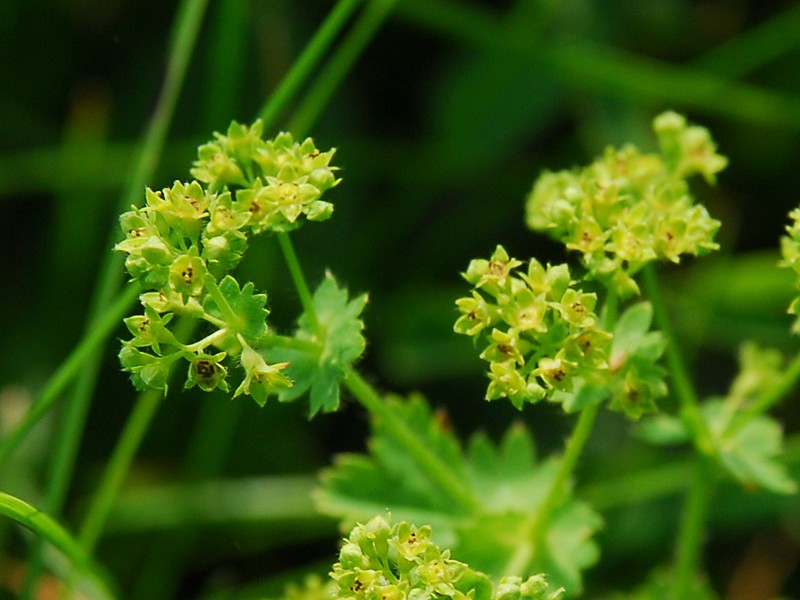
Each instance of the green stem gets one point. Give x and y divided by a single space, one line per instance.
558 490
207 341
301 70
437 470
282 341
692 530
690 536
185 32
300 284
69 369
610 310
124 452
228 314
678 372
340 64
48 529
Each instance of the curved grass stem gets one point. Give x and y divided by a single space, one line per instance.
308 60
69 369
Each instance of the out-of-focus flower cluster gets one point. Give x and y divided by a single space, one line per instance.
181 245
790 252
385 561
629 208
538 332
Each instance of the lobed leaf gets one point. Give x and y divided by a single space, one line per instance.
508 482
342 343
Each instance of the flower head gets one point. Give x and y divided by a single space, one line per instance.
627 209
260 379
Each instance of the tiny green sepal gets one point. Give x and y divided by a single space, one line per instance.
150 330
147 371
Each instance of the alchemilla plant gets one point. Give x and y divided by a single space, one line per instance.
579 334
430 516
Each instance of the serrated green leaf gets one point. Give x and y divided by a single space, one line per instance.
510 487
638 379
342 343
749 447
251 308
569 547
339 317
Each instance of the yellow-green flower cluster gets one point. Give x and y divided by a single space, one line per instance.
629 208
790 253
538 332
181 245
275 180
385 561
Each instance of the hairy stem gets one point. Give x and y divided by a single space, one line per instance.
537 527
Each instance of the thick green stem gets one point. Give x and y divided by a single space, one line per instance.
48 529
692 529
437 470
281 341
185 33
690 536
200 345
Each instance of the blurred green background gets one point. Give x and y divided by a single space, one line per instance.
441 127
